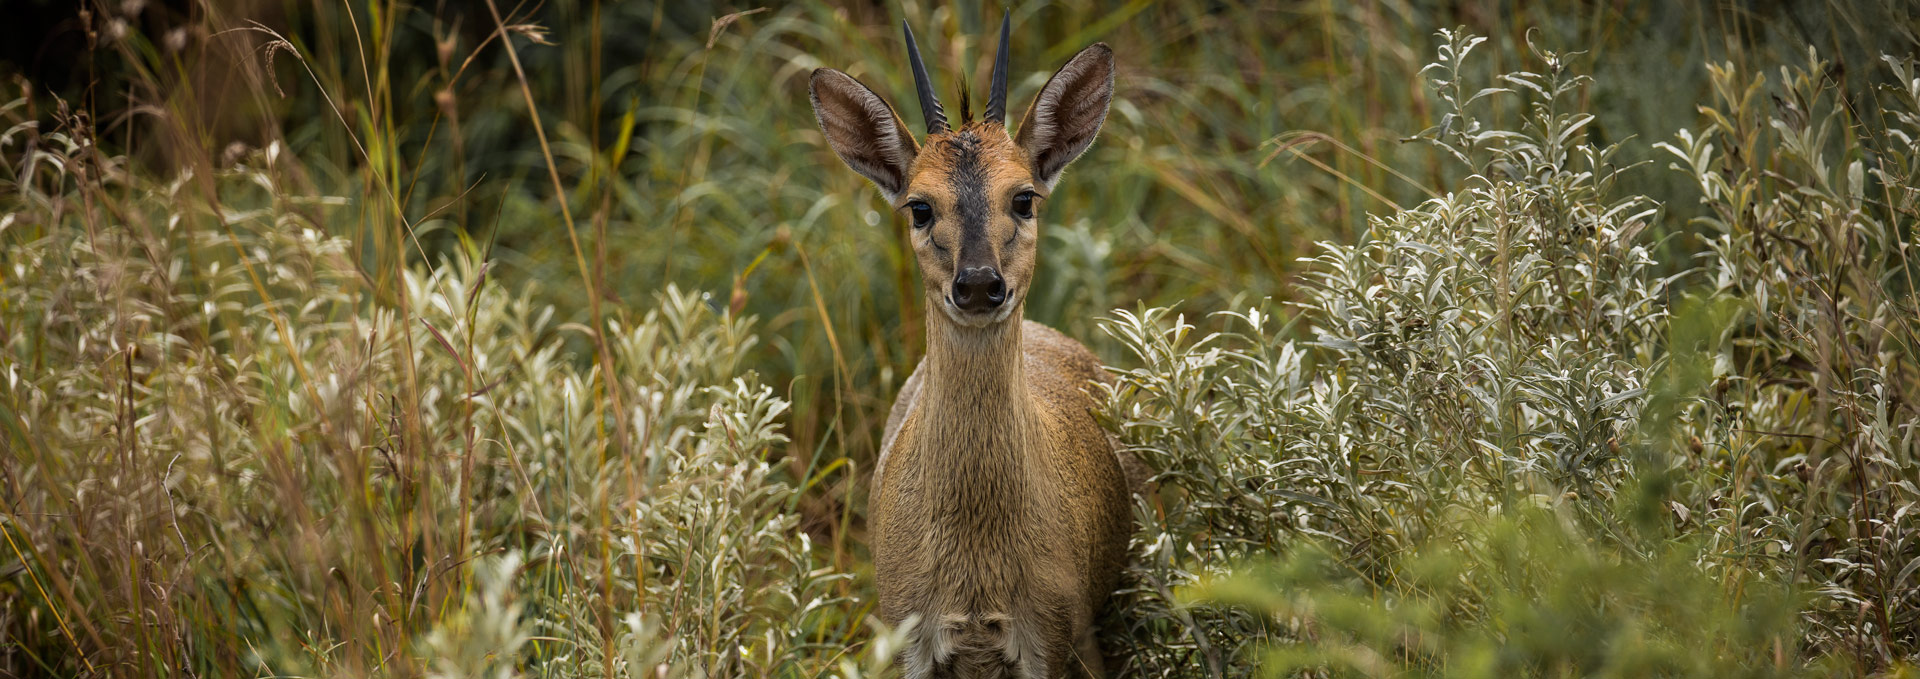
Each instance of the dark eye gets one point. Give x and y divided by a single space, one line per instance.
1023 205
922 214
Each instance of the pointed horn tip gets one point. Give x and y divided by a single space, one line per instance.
997 97
1006 29
929 103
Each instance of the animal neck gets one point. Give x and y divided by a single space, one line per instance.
980 426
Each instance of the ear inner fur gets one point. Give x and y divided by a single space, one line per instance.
1068 113
863 130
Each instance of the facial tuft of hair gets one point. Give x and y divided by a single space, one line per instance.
966 106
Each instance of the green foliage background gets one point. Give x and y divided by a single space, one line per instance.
351 339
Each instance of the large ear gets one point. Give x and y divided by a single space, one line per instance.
863 130
1067 115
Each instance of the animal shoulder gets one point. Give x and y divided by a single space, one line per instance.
1055 360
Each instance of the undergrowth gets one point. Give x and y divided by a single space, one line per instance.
1511 447
211 471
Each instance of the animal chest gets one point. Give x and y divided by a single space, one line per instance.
992 612
995 584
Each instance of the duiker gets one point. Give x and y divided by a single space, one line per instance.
999 513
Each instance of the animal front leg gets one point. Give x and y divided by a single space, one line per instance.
1086 660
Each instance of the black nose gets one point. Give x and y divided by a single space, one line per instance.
979 289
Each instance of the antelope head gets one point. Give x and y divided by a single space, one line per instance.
973 193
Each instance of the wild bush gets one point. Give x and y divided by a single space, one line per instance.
1808 439
1509 447
225 456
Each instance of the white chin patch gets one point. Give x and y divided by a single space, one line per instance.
974 320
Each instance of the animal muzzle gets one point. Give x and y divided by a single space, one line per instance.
979 289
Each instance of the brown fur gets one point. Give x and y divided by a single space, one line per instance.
1024 523
999 513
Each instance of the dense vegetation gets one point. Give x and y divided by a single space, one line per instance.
1586 347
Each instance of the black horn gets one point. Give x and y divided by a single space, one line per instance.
997 98
929 104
